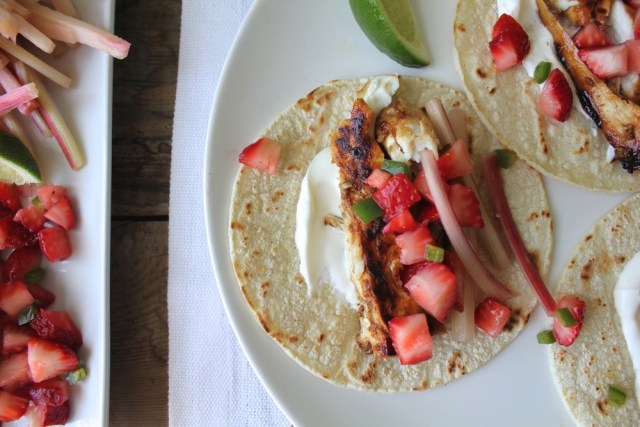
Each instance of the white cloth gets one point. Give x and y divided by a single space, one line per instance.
211 383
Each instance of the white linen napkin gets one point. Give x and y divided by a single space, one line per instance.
211 383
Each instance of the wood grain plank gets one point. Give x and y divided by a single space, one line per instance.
139 332
143 100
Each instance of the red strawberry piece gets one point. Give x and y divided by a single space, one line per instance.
636 23
465 206
15 338
54 243
408 271
58 327
434 289
13 234
413 245
509 44
378 178
26 190
12 407
411 339
53 392
45 297
14 296
14 371
50 194
427 213
31 217
492 316
591 36
507 23
556 98
47 359
45 415
262 155
606 62
633 3
62 213
8 197
397 194
455 162
400 223
21 261
420 183
566 335
633 55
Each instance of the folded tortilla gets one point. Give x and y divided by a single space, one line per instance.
573 151
599 357
319 331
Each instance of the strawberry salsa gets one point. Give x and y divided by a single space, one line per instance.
39 344
425 207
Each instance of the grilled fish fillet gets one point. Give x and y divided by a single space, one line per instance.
373 256
618 118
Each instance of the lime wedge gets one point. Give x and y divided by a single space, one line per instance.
17 164
391 27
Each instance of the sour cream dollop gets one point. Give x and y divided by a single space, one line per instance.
626 296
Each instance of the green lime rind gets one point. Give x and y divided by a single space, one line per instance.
381 28
17 164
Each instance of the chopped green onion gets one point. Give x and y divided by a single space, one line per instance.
546 337
542 71
76 376
565 317
34 276
395 167
367 210
505 157
434 253
616 397
36 201
28 313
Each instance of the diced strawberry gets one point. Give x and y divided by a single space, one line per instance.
54 243
42 295
509 44
633 54
636 23
413 245
411 339
606 62
21 261
53 392
58 327
8 197
31 217
397 194
12 407
15 338
13 234
591 36
633 3
50 194
262 155
566 335
62 213
465 206
14 371
26 190
400 223
434 289
408 271
14 296
492 316
427 213
556 98
420 183
507 23
378 178
45 415
455 162
47 359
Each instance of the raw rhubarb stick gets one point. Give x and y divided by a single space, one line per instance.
12 99
34 62
65 6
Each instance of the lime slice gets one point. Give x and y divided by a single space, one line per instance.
391 27
17 164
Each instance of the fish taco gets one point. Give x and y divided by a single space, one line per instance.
379 325
556 82
604 272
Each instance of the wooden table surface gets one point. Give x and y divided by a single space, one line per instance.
143 100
